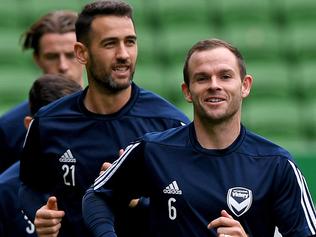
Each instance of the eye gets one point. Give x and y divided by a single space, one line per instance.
70 55
130 42
51 56
226 76
109 44
201 78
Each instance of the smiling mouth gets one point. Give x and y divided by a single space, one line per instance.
214 100
122 68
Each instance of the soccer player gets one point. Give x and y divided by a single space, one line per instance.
13 222
68 141
212 177
52 40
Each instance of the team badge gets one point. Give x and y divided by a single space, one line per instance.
239 200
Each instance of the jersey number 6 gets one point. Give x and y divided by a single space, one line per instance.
171 209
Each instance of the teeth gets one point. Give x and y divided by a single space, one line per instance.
214 100
121 69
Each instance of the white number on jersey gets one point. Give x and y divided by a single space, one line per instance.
171 209
69 174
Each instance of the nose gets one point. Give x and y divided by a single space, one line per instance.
213 83
122 51
63 64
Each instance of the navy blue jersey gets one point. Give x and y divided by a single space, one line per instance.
13 222
66 146
253 179
12 133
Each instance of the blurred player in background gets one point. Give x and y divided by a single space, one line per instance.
52 40
13 222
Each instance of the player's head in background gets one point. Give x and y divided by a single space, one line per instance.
215 81
107 44
46 89
52 38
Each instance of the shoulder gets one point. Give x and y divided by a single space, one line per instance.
256 145
178 136
10 182
15 114
151 104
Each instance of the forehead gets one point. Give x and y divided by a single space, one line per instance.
112 26
57 42
213 57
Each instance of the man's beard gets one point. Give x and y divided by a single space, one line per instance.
105 81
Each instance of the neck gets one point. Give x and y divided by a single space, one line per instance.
217 136
105 102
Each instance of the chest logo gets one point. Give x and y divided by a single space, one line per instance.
239 200
172 188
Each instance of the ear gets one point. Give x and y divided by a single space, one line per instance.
246 86
27 121
186 92
81 53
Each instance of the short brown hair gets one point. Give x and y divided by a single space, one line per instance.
212 44
54 22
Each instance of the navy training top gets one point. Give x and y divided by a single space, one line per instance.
12 134
13 222
66 146
256 181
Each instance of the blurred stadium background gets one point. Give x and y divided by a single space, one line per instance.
277 38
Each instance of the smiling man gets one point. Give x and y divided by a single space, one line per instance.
212 177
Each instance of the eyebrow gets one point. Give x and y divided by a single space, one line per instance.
226 70
117 38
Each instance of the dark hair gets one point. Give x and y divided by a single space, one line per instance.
99 8
212 44
48 88
54 22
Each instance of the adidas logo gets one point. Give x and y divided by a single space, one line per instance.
172 188
67 157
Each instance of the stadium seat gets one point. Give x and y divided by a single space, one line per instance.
308 119
273 117
145 13
300 40
256 41
184 12
9 14
11 50
243 11
151 77
295 11
173 82
15 83
176 41
33 9
307 164
306 80
147 46
278 120
271 79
